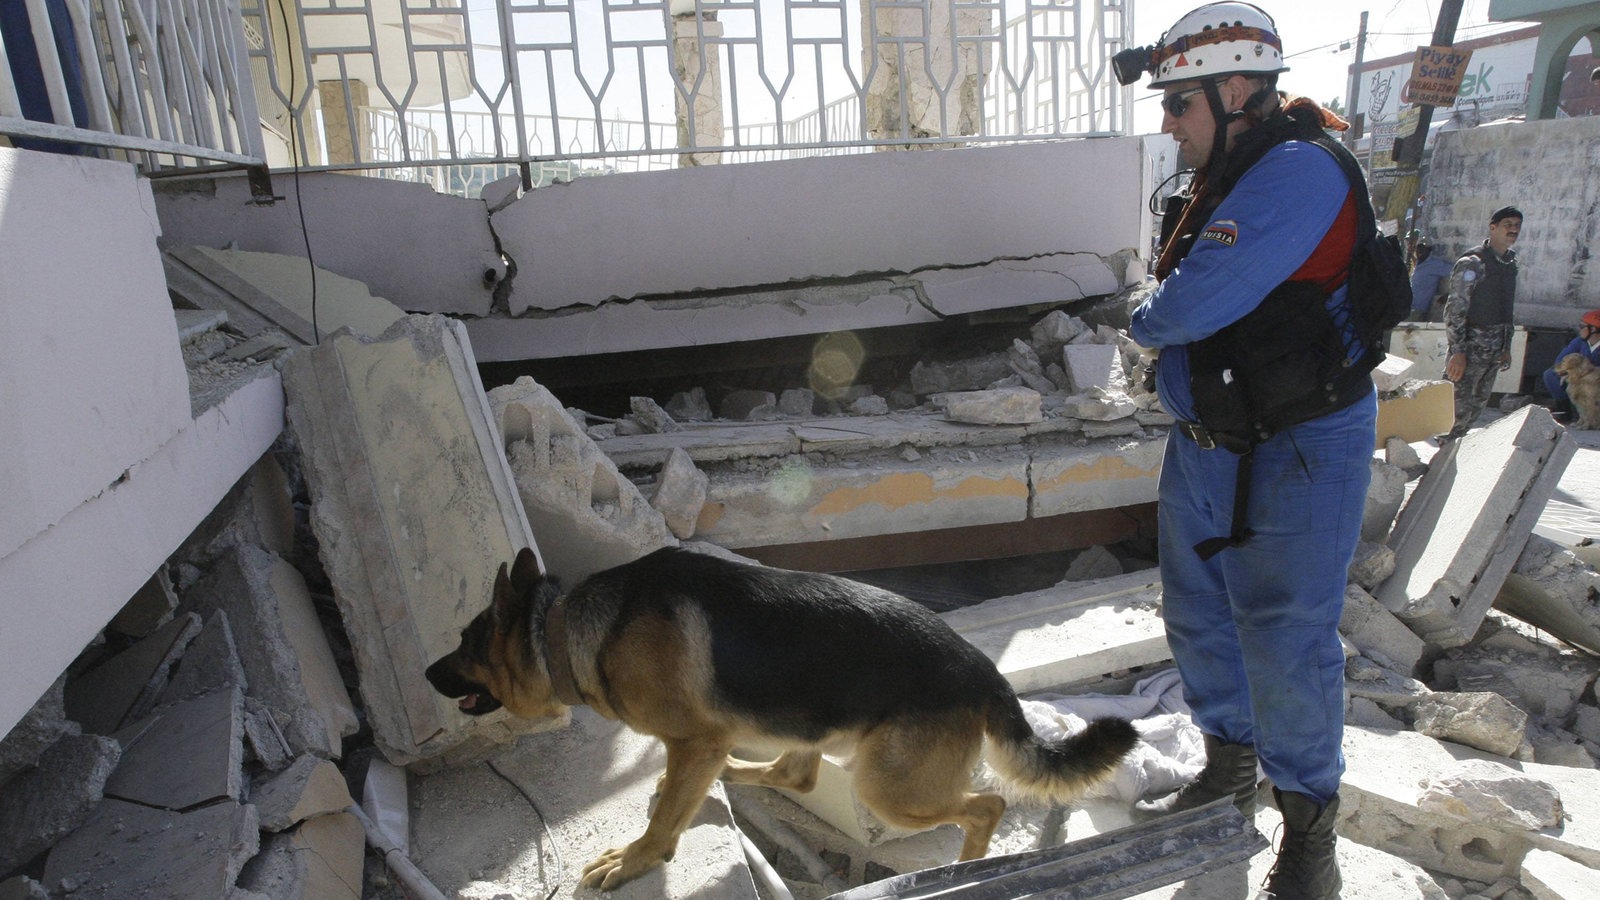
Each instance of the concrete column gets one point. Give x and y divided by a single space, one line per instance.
344 124
698 68
923 83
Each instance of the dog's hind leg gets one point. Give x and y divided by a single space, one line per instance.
918 777
692 765
795 770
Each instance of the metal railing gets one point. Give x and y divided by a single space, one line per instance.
560 88
457 95
158 82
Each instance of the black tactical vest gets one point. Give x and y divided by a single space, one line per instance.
1492 300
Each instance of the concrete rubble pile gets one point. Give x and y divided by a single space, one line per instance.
281 680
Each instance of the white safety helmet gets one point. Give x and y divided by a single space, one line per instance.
1217 39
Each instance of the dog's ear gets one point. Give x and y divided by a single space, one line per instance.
525 569
503 605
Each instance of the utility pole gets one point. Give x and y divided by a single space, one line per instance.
1408 152
1357 120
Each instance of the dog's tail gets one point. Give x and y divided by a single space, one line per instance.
1053 771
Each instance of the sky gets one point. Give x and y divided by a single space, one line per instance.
1319 40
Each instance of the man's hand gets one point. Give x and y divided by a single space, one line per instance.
1455 366
1505 361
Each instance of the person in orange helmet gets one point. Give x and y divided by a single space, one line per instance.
1586 343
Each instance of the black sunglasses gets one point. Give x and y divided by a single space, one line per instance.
1177 104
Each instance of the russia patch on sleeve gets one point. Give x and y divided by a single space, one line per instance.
1223 231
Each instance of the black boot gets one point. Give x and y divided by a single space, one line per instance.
1307 868
1230 770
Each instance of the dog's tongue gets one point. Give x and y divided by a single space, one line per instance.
469 701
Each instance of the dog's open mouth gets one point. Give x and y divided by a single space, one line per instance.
477 704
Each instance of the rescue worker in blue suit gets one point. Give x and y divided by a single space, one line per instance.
1587 345
1255 264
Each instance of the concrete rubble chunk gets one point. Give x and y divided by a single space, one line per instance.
690 406
1553 589
1391 373
1092 564
870 405
743 404
1480 719
1006 406
1099 405
1384 496
1417 411
320 859
45 803
1376 630
1481 791
1372 564
586 514
310 787
104 698
257 510
1397 452
40 727
210 663
651 416
1536 676
1055 329
799 402
414 509
22 888
264 742
1460 533
1093 366
1025 364
288 664
1379 808
206 733
968 374
680 493
1551 876
129 850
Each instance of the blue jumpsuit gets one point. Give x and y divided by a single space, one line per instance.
1552 381
1254 630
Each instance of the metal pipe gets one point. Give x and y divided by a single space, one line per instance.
785 837
403 868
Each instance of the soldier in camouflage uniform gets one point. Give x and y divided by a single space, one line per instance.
1477 317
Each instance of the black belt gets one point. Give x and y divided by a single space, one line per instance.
1211 440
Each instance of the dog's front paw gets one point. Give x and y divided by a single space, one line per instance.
618 866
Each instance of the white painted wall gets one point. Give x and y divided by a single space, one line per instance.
104 471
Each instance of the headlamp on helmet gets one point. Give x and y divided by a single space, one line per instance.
1227 38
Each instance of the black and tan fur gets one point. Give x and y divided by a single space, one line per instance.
706 654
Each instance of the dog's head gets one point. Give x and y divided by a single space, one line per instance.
1573 366
497 663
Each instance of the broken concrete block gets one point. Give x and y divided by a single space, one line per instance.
22 888
651 416
585 514
41 727
1366 679
210 663
1492 794
690 406
264 742
970 374
1550 876
129 850
1093 366
680 493
102 699
1397 452
1390 374
1418 411
1537 678
797 402
1006 406
258 510
501 192
320 859
206 733
1378 632
1480 719
151 607
414 509
1099 405
288 664
1371 565
1092 564
310 787
1551 588
870 405
1053 330
50 800
1379 795
1384 496
1460 533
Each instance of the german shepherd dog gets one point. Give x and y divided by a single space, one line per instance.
706 654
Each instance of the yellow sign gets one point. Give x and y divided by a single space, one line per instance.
1436 75
1407 124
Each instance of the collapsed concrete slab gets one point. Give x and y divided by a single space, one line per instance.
129 850
207 733
1551 588
414 508
319 859
1460 533
309 788
1383 783
103 699
45 803
585 515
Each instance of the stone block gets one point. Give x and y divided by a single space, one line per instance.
282 648
1460 533
1417 412
739 405
210 663
104 698
258 509
1550 876
38 729
1378 632
1391 374
585 514
1002 406
310 787
680 493
1384 496
319 859
1093 365
50 800
412 504
206 733
1552 588
130 850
